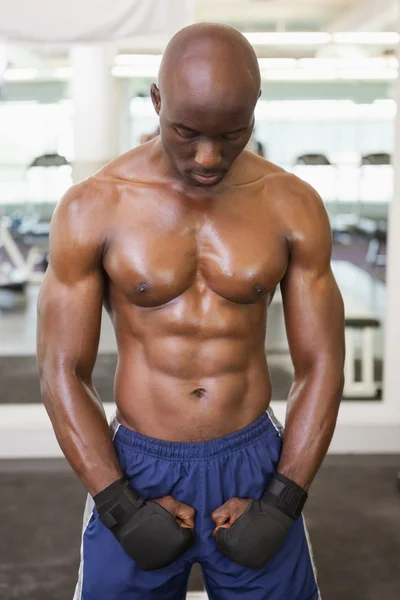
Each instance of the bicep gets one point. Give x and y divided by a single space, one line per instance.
313 305
69 320
71 295
314 316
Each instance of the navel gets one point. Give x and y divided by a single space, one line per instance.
199 392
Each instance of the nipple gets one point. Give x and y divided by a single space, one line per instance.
260 290
141 288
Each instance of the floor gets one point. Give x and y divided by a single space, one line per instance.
353 516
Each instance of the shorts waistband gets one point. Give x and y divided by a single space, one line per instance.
262 427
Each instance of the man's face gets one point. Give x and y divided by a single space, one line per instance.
203 136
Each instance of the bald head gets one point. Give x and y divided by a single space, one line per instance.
208 87
211 57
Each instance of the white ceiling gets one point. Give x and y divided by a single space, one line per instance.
252 15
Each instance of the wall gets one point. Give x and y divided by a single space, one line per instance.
36 117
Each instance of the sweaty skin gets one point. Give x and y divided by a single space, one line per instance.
185 240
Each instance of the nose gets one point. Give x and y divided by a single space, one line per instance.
208 154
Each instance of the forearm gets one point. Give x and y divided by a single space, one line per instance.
313 406
81 428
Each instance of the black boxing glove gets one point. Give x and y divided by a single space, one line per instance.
147 532
262 529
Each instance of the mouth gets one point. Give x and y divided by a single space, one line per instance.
209 179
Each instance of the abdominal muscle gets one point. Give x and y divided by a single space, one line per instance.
181 389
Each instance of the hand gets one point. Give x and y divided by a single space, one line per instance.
154 533
183 513
249 532
228 513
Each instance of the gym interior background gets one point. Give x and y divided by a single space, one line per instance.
75 93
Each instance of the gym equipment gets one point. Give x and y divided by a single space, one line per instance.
51 159
318 172
34 239
48 177
367 387
375 181
360 328
13 276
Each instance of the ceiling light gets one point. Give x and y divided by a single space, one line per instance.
277 63
20 74
318 38
390 38
369 75
326 74
299 75
288 38
150 60
63 72
349 63
134 71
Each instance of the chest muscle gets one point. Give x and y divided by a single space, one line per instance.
239 258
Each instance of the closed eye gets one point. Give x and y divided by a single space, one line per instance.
186 133
235 135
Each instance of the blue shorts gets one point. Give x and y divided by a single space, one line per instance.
203 475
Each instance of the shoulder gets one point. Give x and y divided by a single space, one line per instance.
82 220
94 202
84 206
294 204
289 188
133 167
278 185
298 206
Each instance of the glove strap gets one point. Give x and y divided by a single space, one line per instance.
286 495
117 503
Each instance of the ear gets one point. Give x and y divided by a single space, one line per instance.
155 98
259 93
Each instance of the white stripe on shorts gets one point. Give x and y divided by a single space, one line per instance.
310 550
87 515
278 426
114 426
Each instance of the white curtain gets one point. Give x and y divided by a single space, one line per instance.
52 21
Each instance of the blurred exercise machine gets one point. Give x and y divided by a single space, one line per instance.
350 211
13 275
23 255
363 379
